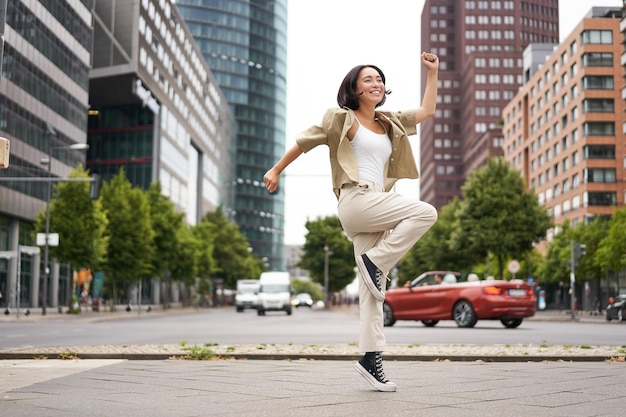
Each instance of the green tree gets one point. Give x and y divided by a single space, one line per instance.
328 232
300 286
80 223
165 223
234 259
499 216
183 266
553 268
130 237
611 253
590 235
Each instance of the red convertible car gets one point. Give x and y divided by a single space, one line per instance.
437 295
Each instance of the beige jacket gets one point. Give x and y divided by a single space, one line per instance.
333 132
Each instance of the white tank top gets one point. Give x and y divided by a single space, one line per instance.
372 150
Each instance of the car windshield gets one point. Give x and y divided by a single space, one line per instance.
273 289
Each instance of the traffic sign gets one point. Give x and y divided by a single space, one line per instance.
53 239
513 266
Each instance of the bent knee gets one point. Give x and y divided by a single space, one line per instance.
430 213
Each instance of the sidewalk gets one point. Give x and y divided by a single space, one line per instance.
305 380
246 388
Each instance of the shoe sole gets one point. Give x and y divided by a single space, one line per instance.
365 275
388 387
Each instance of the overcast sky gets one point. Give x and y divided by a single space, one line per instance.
326 38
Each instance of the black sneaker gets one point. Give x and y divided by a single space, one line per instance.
370 366
372 276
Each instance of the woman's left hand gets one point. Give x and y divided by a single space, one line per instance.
430 61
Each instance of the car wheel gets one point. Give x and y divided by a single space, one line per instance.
260 312
288 311
239 310
464 314
430 323
388 319
511 323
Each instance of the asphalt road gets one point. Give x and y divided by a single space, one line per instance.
304 326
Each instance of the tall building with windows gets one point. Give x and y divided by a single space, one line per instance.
155 108
479 44
564 129
157 111
245 44
44 99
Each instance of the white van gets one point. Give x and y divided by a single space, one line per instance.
275 292
247 294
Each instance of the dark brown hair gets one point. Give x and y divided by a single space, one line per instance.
347 95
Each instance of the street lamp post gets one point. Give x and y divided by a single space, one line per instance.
327 253
76 146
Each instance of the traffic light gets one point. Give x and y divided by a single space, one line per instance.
580 250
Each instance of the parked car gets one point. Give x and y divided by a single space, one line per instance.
426 300
302 300
617 308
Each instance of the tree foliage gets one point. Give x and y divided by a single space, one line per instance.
166 224
611 251
80 223
499 216
130 244
328 232
234 259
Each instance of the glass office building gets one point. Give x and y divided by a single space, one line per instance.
245 45
43 110
156 109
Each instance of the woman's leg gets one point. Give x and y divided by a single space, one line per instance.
364 210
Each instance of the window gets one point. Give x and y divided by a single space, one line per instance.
604 37
598 105
601 198
598 59
599 129
599 152
601 175
598 82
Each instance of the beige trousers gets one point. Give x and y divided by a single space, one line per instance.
385 226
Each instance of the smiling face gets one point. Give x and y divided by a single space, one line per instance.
370 87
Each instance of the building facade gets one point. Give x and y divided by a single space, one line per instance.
155 108
479 44
157 111
245 44
44 98
563 129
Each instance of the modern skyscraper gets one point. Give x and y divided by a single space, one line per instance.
156 109
245 45
479 44
563 129
43 112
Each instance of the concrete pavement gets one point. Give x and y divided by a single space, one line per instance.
475 381
98 388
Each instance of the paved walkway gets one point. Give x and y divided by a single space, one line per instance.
242 388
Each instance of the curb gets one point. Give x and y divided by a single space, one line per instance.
317 357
